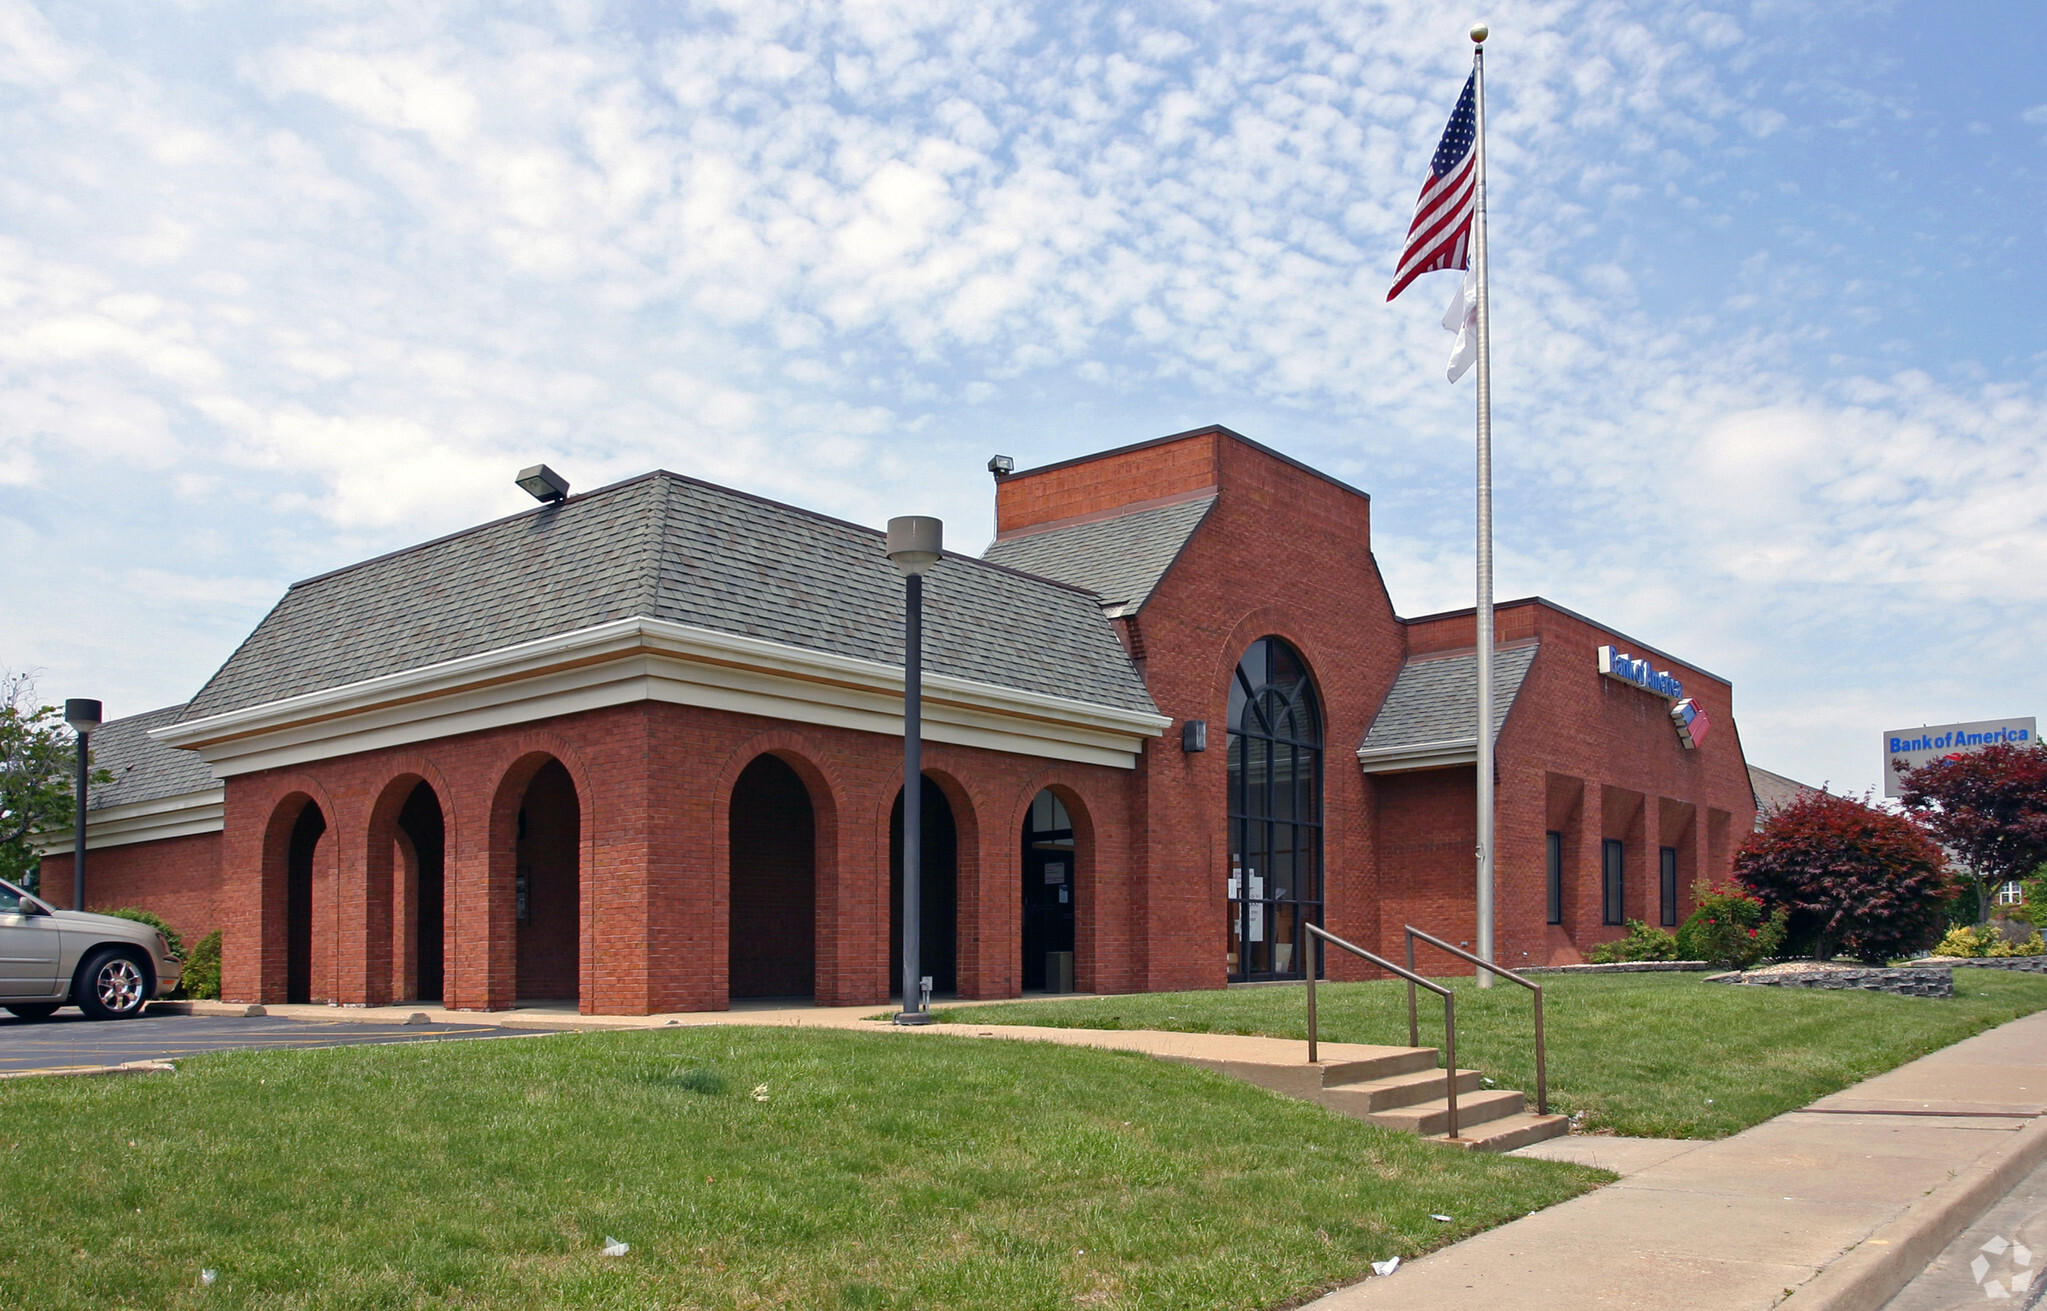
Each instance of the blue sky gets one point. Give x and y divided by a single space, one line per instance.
283 288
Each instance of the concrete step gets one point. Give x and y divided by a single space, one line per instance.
1394 1087
1432 1118
1296 1078
1391 1063
1364 1099
1508 1132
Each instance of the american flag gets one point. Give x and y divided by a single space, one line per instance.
1440 236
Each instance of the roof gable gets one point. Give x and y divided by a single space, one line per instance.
667 547
1120 558
143 769
1435 699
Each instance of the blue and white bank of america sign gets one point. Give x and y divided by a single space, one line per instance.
1615 663
1916 746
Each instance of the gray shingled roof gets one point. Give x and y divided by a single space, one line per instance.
143 768
667 547
1436 698
1120 559
1773 790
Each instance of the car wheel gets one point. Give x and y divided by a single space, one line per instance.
112 986
34 1010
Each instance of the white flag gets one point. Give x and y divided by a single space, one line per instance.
1462 319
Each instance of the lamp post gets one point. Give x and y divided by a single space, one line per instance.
915 543
83 716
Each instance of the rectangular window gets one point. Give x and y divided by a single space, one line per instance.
1554 846
2010 894
1667 858
1614 876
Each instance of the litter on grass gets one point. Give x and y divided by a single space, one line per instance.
1440 1219
612 1247
760 1092
206 1278
1386 1267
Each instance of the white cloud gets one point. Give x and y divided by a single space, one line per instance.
833 254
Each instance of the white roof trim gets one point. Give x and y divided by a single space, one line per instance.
180 816
642 659
1419 755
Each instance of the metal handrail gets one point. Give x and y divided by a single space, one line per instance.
1315 932
1413 1026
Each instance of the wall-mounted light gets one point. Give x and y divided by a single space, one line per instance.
1194 735
1001 466
543 484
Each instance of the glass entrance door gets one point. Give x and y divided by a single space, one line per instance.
1048 893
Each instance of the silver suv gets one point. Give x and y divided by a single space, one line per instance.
106 966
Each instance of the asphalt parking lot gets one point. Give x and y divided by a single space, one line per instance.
69 1041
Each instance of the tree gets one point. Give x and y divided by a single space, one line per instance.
1988 809
38 759
1851 876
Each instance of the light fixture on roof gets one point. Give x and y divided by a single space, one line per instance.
543 484
1001 466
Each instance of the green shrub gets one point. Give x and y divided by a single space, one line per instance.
154 921
2032 946
202 970
1640 943
1961 941
1730 928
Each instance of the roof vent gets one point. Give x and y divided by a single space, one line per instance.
543 484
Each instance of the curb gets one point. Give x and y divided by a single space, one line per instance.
1871 1273
125 1067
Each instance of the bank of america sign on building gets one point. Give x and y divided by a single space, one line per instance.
1909 748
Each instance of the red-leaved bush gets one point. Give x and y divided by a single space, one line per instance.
1988 808
1854 878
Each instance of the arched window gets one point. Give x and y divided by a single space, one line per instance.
1275 880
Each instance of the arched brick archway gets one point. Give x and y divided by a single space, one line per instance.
771 881
950 883
838 911
297 948
539 842
401 911
1060 898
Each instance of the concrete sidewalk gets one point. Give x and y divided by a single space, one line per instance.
564 1015
1836 1206
1277 1063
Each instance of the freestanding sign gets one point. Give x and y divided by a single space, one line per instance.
1916 746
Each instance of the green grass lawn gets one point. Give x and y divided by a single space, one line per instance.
1654 1055
746 1167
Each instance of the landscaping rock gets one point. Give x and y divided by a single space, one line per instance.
2023 964
1622 967
1903 981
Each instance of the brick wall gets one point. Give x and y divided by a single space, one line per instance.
178 878
630 847
1285 553
635 852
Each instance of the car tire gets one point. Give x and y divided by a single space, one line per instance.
113 984
34 1010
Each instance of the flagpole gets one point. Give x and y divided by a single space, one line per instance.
1485 534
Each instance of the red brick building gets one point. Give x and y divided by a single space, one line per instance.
642 748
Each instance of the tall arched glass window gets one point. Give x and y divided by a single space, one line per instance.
1275 881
